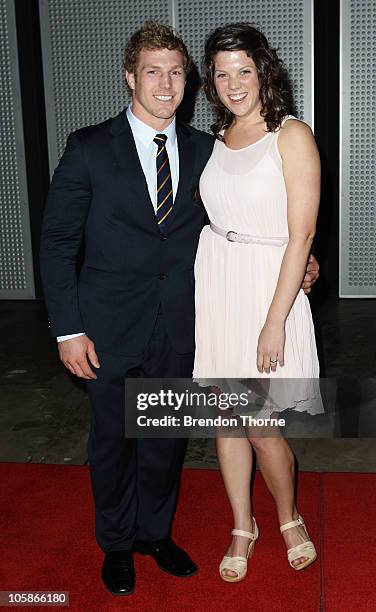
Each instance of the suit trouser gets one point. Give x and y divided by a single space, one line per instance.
135 482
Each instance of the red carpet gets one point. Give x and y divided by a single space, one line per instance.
47 540
349 534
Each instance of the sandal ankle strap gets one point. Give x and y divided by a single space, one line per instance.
298 521
246 534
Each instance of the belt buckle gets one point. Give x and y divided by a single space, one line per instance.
231 236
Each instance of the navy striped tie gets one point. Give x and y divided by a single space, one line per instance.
164 183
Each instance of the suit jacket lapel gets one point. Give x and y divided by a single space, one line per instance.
186 148
126 155
124 147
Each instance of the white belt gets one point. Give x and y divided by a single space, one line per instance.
232 236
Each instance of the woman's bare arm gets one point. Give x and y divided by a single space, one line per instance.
301 171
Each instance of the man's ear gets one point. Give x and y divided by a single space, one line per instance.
130 78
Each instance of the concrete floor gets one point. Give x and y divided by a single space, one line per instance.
44 414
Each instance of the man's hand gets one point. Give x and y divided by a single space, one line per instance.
311 275
74 353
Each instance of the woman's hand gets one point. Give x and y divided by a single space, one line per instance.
271 347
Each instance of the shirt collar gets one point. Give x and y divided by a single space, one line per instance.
145 133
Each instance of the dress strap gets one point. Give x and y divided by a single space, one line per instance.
277 132
287 118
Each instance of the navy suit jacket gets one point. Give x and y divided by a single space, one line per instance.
99 197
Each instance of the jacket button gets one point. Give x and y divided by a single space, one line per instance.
162 276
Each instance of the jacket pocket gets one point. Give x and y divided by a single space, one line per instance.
103 278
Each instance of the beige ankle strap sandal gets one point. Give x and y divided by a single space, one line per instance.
238 565
305 549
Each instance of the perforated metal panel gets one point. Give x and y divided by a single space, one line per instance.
82 45
16 271
358 150
287 24
82 42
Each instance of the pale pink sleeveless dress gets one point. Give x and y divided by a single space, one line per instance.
244 191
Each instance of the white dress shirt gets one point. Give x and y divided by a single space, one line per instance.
147 149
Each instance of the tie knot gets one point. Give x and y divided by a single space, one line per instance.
160 140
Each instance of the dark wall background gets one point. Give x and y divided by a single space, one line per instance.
34 119
326 20
326 17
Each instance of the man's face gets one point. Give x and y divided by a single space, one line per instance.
157 86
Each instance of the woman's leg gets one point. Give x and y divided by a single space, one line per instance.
235 461
276 463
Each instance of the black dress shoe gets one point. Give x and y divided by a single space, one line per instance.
118 572
169 557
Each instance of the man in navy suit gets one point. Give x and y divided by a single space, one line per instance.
127 189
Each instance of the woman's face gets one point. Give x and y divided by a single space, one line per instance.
236 82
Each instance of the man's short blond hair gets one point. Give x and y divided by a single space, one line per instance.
152 36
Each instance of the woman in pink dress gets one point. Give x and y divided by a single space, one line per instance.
261 189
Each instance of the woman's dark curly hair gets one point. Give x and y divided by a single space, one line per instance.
274 97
